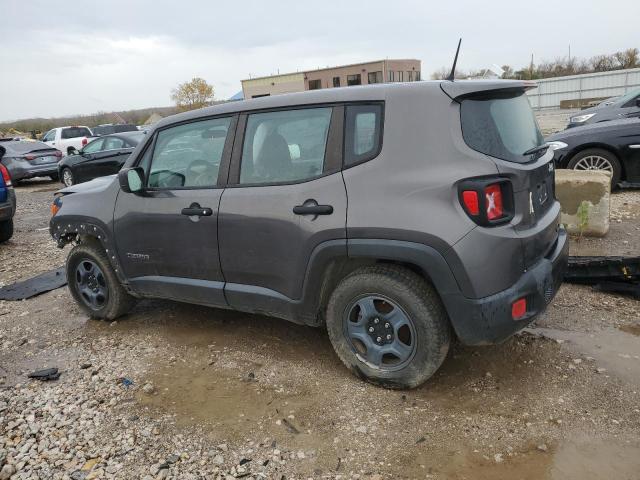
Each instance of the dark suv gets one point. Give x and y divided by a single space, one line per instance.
398 215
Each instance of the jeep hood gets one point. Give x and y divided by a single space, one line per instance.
95 185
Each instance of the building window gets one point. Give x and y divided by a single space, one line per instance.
391 76
375 77
410 76
400 76
315 84
336 81
416 76
354 79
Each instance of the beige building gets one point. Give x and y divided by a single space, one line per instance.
381 71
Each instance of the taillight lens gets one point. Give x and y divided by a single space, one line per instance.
471 202
84 141
487 201
5 175
58 154
493 197
30 157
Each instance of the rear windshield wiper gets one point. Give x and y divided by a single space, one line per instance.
539 148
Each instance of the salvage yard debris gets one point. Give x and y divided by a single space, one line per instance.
42 283
607 274
46 374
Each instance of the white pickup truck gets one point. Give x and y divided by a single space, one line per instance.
67 139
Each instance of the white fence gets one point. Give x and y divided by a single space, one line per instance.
551 91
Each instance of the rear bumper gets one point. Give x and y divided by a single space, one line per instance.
21 170
488 320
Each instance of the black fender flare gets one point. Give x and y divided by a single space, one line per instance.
66 229
429 260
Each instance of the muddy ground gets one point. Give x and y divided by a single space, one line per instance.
181 391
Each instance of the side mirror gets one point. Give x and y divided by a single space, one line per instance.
131 179
638 102
73 151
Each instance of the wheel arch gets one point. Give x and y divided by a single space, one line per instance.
329 264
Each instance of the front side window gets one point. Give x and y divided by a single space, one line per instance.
188 155
93 147
500 125
284 146
50 136
75 132
353 79
363 134
315 85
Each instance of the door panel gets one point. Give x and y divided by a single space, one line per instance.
285 159
264 244
154 239
167 238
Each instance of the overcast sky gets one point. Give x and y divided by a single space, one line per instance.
67 57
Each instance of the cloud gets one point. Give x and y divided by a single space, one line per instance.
84 57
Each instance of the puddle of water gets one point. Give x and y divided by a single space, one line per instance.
596 459
632 329
614 350
200 394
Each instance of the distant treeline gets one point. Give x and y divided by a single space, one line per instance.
135 117
559 67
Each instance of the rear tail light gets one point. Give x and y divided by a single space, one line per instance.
519 308
493 196
84 141
471 202
30 157
56 205
487 201
58 154
5 175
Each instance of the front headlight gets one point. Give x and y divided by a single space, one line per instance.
556 145
581 118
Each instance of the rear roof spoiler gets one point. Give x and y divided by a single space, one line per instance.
463 88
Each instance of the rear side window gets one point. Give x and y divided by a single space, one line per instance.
284 146
188 155
113 143
74 132
500 126
363 133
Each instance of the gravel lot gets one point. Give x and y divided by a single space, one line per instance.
180 391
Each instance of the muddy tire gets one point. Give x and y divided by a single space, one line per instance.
94 285
388 326
597 159
6 230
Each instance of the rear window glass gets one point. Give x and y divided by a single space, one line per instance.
503 127
74 132
25 147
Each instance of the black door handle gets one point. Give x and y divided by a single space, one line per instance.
312 208
196 209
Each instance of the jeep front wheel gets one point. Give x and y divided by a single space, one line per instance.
388 326
94 285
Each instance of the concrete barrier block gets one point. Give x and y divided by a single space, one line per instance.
584 197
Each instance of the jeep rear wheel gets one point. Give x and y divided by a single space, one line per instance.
388 326
94 285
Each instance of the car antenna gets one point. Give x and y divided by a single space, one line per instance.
455 61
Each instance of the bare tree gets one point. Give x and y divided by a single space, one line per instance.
191 95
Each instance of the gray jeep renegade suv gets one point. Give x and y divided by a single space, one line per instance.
398 216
